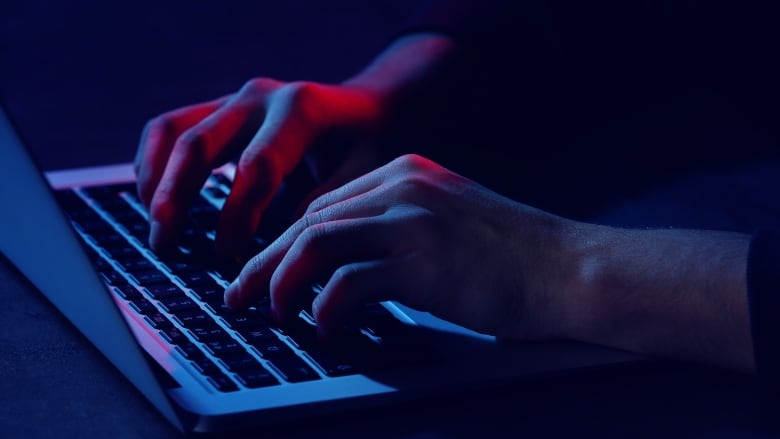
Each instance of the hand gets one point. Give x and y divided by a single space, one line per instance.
272 124
415 232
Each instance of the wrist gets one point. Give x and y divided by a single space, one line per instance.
552 259
407 62
665 292
575 283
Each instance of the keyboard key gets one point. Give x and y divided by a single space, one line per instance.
139 231
143 306
213 294
84 214
221 309
195 319
249 318
346 354
136 265
127 291
164 290
197 279
112 277
150 277
205 366
216 192
221 382
205 335
158 320
221 179
221 348
200 204
128 217
340 360
122 251
174 336
181 265
256 335
189 350
241 361
380 322
270 348
332 366
115 206
239 321
95 227
108 239
254 378
175 304
293 369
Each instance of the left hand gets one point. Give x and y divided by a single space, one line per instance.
415 232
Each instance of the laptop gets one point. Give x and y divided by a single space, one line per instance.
160 319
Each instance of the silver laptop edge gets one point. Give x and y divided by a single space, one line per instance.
95 315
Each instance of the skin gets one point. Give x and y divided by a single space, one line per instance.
414 231
274 126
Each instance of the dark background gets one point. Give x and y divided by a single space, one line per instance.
82 77
572 134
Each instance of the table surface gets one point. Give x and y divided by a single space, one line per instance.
53 382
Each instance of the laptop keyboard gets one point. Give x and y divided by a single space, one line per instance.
180 296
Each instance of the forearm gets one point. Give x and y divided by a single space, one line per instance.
407 64
672 293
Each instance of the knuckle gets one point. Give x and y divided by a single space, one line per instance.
312 219
161 124
315 236
262 165
345 277
411 162
259 86
412 184
301 97
300 91
193 141
316 205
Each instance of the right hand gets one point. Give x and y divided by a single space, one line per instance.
273 125
415 232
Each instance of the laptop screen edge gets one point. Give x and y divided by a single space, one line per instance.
39 220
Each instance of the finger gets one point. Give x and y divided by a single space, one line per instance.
273 153
320 250
359 186
361 160
157 140
195 153
355 284
255 278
